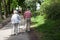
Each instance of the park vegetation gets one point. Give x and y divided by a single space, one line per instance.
47 24
46 21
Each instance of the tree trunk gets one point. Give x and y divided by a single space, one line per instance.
0 10
5 8
8 7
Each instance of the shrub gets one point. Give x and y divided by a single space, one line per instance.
51 8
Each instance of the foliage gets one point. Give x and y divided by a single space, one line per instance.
50 29
20 2
31 5
49 23
51 8
14 4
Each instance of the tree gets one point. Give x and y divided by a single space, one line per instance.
8 3
22 4
51 8
4 8
0 9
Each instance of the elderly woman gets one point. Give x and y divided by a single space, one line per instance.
15 19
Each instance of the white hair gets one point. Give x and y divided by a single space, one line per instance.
15 12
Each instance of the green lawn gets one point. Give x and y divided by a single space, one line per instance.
49 28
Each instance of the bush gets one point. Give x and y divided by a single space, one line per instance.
51 25
51 8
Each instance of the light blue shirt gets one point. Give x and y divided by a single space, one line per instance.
15 18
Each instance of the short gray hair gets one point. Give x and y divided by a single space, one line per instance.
15 12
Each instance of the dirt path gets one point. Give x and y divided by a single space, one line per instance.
5 33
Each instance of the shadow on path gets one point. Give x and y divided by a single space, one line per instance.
8 26
21 36
6 32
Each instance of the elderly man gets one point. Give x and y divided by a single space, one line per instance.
27 17
15 19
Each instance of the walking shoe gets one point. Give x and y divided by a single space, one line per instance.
13 34
28 31
19 33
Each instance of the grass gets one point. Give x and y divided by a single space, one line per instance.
49 28
38 20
